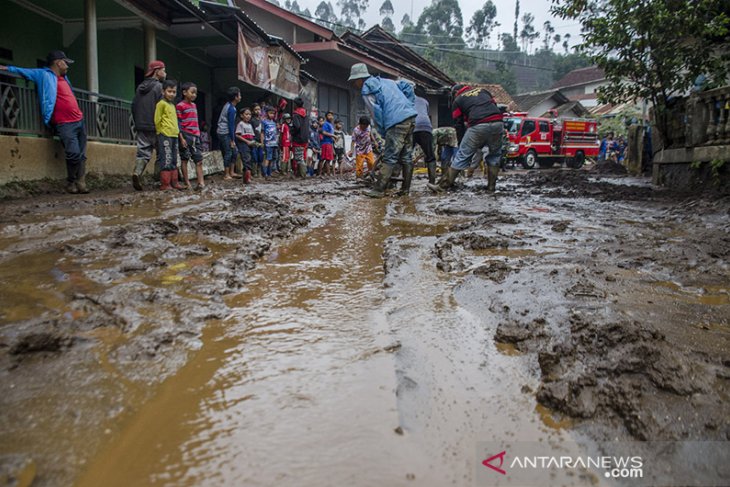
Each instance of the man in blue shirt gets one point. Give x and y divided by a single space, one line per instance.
226 131
61 111
392 106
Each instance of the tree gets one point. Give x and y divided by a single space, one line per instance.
481 26
500 75
292 6
386 11
442 19
351 12
405 22
517 18
528 34
652 49
556 40
325 14
548 32
566 42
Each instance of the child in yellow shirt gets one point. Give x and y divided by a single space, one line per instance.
167 136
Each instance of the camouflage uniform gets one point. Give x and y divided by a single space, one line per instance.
445 138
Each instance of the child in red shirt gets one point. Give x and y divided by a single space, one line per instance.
285 144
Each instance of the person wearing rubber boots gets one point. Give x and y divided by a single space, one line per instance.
392 105
60 111
423 133
148 93
476 108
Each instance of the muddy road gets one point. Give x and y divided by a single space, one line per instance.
299 334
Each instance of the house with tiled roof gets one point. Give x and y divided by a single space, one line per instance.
582 85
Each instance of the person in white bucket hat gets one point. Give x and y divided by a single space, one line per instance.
392 106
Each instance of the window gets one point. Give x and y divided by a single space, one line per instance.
544 127
337 101
528 127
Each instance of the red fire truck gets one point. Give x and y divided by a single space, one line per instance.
543 141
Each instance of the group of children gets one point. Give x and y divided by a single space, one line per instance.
268 142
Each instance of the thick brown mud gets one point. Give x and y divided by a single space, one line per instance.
300 334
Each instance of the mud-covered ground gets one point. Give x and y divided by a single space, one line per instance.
613 295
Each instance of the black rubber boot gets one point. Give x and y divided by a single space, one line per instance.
431 166
492 178
446 181
378 191
405 187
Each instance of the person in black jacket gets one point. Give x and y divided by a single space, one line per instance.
148 93
300 137
477 110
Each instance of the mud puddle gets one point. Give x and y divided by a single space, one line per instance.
321 376
303 335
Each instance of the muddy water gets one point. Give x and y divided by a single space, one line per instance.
323 376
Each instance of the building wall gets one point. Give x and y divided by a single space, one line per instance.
33 158
542 107
29 35
336 76
276 26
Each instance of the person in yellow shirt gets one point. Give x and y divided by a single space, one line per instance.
167 136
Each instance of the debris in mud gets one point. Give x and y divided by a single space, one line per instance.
495 270
448 255
398 431
614 370
609 167
559 226
522 335
40 342
488 220
585 289
392 258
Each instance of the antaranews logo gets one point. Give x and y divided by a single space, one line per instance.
612 466
493 458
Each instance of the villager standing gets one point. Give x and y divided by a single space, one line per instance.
392 106
61 111
300 137
423 133
226 130
476 108
168 133
187 116
148 93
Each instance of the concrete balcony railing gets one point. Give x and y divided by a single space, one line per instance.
702 119
108 119
698 132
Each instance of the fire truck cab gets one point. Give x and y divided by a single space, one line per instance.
541 141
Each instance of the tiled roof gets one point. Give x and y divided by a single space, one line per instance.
527 101
580 76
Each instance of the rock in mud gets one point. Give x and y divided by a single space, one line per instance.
522 335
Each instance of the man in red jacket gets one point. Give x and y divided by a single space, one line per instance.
477 110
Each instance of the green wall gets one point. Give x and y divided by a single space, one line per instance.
31 36
28 35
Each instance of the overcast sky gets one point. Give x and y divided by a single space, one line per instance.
505 13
